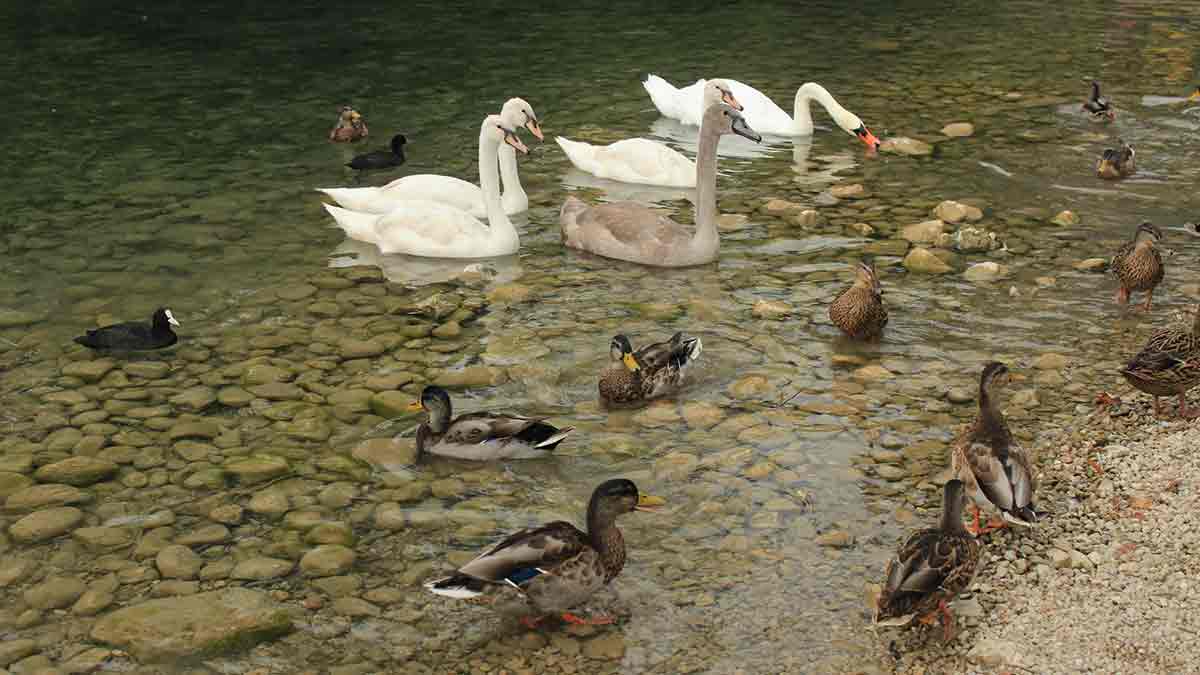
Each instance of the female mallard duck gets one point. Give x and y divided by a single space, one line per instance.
1169 364
1117 163
990 463
350 126
381 159
1138 264
481 435
653 371
858 310
931 567
556 567
1099 107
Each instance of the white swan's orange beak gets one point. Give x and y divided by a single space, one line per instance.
864 134
729 100
535 128
511 139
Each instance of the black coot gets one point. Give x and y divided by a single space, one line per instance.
381 159
132 335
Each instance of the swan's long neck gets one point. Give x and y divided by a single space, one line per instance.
489 182
706 237
802 118
509 178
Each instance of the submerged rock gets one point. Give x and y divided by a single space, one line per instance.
198 625
958 129
76 471
923 261
901 145
923 233
985 271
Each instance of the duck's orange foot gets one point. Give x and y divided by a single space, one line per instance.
530 622
596 620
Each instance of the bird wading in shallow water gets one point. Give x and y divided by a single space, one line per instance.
1138 264
481 435
656 370
858 310
134 336
554 568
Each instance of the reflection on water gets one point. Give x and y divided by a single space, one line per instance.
165 157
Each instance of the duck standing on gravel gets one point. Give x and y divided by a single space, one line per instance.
1169 365
931 567
991 464
858 310
556 567
350 126
1099 107
1138 264
1117 163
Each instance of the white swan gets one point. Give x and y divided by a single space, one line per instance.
448 190
641 160
759 111
431 229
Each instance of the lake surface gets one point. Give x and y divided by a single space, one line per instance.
166 155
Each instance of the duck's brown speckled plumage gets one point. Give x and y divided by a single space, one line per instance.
657 370
858 310
993 467
1117 163
1169 364
555 567
931 567
1138 264
350 126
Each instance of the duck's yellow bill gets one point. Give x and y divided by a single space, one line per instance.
415 406
630 362
649 503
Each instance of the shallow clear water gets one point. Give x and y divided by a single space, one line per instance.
165 156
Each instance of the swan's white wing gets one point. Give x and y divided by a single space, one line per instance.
448 190
761 113
432 229
689 102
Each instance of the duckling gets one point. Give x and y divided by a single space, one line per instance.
653 371
858 310
990 463
1138 264
481 436
1099 107
931 567
1169 364
381 159
1117 163
132 335
350 126
556 567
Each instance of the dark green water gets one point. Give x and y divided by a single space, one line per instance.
166 154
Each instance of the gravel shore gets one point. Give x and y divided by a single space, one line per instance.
1107 582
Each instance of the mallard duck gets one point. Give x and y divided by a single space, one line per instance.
1098 107
1169 364
931 567
1117 163
481 435
132 335
556 567
992 466
858 310
653 371
1138 264
381 159
350 126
